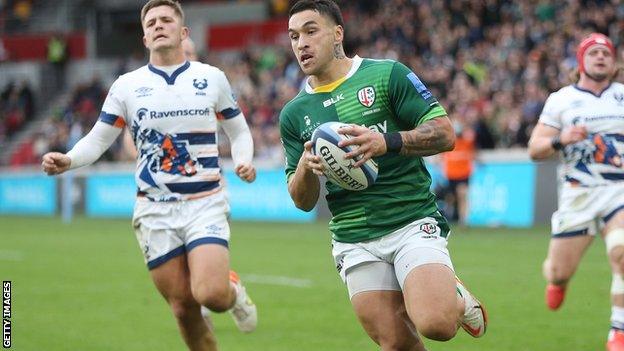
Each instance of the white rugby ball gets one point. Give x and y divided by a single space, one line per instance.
339 170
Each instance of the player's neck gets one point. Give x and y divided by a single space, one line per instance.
596 87
336 69
167 57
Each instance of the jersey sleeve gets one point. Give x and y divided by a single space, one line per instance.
293 147
551 113
114 110
411 101
226 107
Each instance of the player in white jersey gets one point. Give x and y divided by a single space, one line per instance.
585 121
170 107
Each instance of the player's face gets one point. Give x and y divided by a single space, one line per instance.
162 29
313 38
599 62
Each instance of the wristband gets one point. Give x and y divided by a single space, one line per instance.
394 142
556 143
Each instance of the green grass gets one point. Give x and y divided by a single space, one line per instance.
84 287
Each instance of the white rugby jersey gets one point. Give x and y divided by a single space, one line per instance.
597 160
173 122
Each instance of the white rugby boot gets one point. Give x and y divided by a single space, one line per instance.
244 311
474 321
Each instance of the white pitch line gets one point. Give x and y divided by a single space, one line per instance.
276 280
14 256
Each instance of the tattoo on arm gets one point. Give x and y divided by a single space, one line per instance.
339 51
429 138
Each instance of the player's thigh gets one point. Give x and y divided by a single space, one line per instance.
431 298
206 238
209 267
172 279
565 254
615 222
378 305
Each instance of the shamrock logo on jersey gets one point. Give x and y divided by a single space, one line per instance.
201 84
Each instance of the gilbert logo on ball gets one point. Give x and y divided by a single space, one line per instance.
339 170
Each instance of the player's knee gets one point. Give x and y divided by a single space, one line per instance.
614 241
439 328
556 273
217 299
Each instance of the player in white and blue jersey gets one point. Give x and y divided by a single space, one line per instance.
170 107
585 121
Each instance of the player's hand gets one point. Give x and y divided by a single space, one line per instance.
368 144
55 163
311 162
246 172
573 134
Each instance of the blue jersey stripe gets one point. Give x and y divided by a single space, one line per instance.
192 187
208 162
612 176
230 112
108 118
197 138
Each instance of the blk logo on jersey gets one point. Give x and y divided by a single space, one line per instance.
333 100
619 97
366 96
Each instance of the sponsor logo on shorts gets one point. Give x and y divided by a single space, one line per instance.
214 230
428 228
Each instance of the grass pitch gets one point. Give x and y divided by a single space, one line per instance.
84 286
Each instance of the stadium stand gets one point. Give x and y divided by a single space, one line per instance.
487 61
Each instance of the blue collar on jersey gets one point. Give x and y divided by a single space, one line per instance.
174 75
591 92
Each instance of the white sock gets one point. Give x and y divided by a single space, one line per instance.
617 317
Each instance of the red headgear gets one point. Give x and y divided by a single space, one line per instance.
592 39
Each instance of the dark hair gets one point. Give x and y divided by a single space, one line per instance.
155 3
326 8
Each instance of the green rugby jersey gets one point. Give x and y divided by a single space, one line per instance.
385 96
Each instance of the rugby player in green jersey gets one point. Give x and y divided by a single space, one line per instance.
389 240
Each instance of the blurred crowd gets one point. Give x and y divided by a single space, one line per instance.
17 106
491 63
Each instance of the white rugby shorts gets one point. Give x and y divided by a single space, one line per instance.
585 210
166 230
394 256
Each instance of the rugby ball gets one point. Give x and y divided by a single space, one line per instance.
339 170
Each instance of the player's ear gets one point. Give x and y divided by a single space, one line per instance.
338 34
185 32
145 41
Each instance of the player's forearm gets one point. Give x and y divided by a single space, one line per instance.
240 139
92 146
429 138
304 188
541 148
